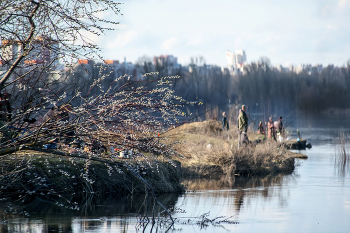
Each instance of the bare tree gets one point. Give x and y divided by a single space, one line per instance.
145 63
197 75
36 34
87 118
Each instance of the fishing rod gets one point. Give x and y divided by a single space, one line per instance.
251 119
292 121
289 114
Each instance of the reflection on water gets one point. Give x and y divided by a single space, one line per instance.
96 215
232 183
315 198
121 214
242 188
342 154
231 195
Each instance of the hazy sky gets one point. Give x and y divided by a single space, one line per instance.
286 31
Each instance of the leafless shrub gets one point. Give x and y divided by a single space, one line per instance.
45 31
127 117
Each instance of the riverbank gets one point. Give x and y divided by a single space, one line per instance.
208 152
30 173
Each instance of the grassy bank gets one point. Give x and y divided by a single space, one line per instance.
209 152
36 174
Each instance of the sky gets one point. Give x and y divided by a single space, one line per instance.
288 32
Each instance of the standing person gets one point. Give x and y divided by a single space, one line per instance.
242 126
271 129
279 127
224 122
5 115
261 129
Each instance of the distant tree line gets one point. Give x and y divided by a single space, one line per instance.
264 88
200 82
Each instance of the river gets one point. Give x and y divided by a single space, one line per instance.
315 198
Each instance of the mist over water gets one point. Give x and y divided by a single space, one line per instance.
315 198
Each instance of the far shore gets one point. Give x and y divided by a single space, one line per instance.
337 111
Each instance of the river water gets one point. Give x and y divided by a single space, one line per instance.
315 198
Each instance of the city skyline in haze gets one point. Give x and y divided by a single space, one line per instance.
287 32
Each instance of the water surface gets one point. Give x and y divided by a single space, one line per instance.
315 198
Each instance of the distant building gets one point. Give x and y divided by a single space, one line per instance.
241 57
301 68
236 61
45 51
166 64
111 62
282 69
165 60
231 60
86 61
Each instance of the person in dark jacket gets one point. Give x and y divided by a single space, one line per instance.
224 122
279 127
242 126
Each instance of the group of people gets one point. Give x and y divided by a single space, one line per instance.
242 125
273 129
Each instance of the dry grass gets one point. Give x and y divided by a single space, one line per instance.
209 152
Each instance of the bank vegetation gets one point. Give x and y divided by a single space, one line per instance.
210 152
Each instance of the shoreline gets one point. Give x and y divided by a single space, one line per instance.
207 153
49 176
210 153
